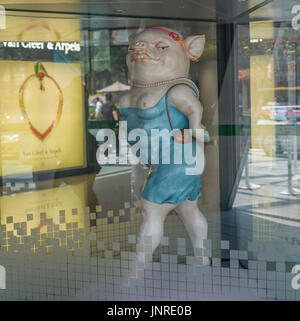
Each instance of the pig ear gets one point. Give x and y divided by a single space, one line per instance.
132 36
194 46
141 29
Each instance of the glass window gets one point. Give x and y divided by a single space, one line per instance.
268 191
90 213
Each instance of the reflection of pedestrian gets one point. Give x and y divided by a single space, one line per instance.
109 110
109 113
99 105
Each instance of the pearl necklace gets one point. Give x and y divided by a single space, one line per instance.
165 82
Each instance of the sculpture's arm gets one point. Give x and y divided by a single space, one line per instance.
185 100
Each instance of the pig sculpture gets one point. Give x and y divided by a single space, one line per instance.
163 100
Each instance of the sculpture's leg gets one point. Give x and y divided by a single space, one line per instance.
138 178
151 231
195 224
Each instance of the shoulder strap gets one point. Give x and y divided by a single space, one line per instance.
166 99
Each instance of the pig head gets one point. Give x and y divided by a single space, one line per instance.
159 54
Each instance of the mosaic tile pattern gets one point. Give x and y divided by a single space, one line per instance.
82 277
78 254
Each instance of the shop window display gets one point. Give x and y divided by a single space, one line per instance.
74 220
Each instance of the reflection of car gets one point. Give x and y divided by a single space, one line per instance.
293 112
272 111
280 112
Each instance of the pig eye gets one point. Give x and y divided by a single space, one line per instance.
162 46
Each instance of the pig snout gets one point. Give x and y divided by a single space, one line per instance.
140 54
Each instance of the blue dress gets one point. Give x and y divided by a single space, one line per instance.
167 182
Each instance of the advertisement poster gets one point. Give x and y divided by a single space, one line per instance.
35 28
42 117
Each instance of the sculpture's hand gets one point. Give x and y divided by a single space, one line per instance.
181 137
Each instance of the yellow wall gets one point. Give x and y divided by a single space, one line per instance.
262 82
